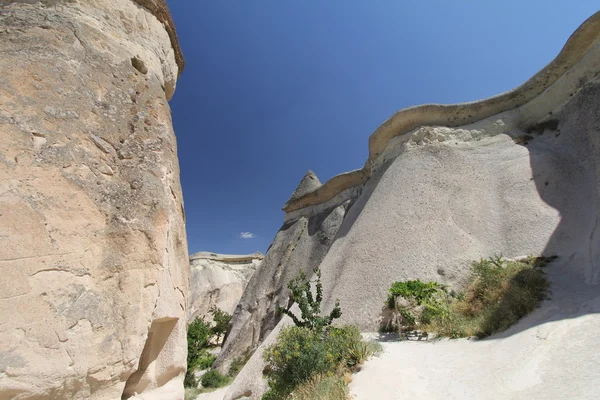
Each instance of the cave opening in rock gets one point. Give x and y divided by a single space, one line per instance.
147 376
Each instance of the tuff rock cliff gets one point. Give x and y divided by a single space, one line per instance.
300 245
219 280
93 252
516 174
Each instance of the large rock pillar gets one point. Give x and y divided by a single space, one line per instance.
93 253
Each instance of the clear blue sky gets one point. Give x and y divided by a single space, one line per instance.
273 88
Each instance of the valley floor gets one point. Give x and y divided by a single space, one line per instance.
550 354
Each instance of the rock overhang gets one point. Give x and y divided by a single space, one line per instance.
160 10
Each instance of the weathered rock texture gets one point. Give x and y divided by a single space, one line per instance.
219 280
517 174
299 245
93 253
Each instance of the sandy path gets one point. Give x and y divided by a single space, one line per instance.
216 395
550 354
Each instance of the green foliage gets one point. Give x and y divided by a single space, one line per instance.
206 361
214 379
300 354
191 393
190 380
198 336
361 351
309 305
238 363
309 359
323 386
221 320
499 293
415 290
502 292
427 299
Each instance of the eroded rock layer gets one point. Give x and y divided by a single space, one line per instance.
300 245
219 280
517 174
92 241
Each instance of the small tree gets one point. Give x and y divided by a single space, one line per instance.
221 320
310 307
198 336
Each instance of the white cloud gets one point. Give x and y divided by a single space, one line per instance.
247 235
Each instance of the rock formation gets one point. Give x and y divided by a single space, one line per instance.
219 280
299 245
516 174
93 250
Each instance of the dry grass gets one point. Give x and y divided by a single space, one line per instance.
191 393
500 293
324 387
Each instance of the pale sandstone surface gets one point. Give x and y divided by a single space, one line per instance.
93 251
299 245
216 395
454 115
442 203
218 280
547 355
524 181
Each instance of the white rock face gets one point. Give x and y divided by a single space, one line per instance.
435 194
219 280
93 253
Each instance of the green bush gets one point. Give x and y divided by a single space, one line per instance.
426 299
298 355
221 320
238 363
415 290
198 336
309 359
206 361
310 307
359 352
324 386
191 393
499 293
213 379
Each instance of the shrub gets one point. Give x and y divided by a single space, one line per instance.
499 293
329 387
420 302
349 347
191 393
221 320
310 307
238 363
415 290
198 336
213 379
298 355
310 358
502 292
359 352
206 361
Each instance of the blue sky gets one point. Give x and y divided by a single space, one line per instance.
273 88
